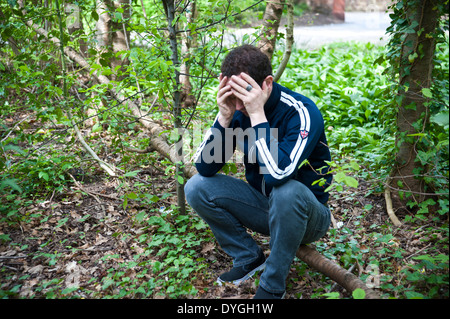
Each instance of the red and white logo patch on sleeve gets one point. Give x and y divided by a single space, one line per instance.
304 134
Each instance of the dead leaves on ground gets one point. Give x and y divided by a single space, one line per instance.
71 241
63 241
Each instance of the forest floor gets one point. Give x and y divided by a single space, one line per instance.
75 232
80 235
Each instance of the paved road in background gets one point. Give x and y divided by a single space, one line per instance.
358 26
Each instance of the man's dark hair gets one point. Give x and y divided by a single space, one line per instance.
248 59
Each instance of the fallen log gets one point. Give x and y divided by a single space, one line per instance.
332 270
159 143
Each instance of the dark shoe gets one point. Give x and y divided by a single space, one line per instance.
261 293
239 274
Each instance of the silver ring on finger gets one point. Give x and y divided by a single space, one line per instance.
249 88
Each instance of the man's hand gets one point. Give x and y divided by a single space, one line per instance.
253 99
226 102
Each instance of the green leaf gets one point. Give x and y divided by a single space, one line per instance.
132 195
354 165
347 180
152 198
84 218
351 182
70 290
332 295
96 128
358 293
107 283
24 67
4 238
94 15
441 118
140 216
339 177
43 175
424 257
11 183
132 174
412 57
414 295
427 93
62 222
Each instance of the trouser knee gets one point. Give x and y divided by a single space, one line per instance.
192 189
292 193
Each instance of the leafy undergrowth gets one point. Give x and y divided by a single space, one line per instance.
86 243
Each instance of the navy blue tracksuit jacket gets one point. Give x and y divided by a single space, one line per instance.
274 151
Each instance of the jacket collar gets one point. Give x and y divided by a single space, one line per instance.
273 100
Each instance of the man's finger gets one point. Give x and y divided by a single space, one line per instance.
240 85
239 95
223 81
249 80
224 95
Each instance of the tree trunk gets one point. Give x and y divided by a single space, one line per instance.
271 22
103 26
289 40
111 33
188 43
120 38
413 114
75 24
169 7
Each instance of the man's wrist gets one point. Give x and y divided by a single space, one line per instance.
224 122
257 118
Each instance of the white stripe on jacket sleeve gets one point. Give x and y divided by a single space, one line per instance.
298 148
